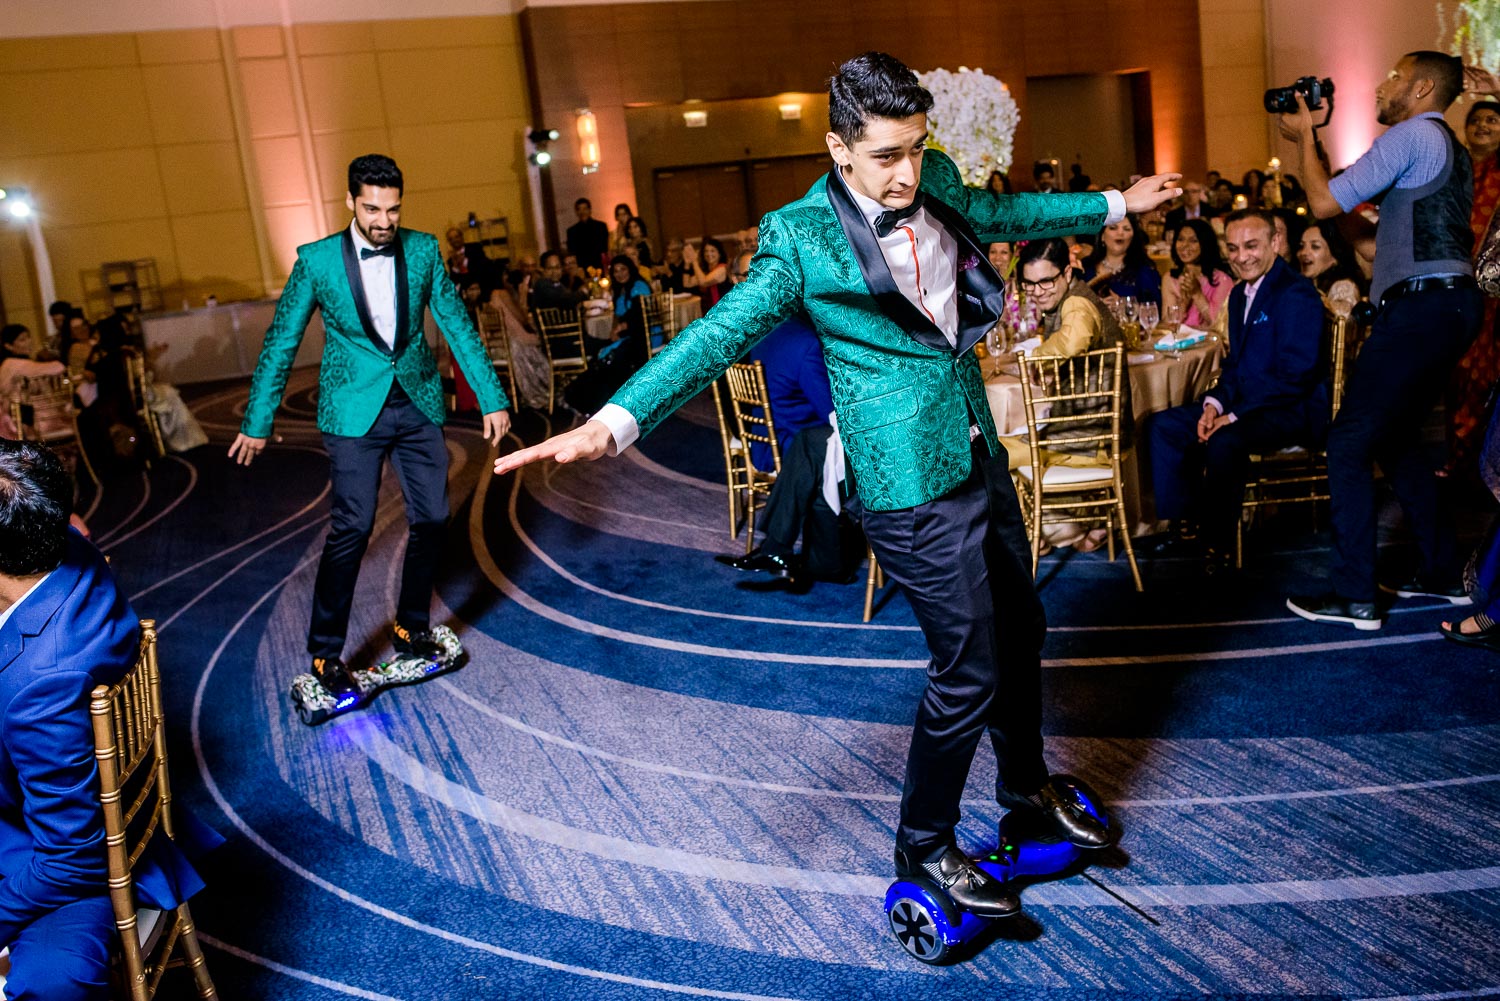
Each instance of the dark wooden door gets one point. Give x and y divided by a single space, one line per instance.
679 203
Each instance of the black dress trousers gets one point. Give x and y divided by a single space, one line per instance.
419 455
965 566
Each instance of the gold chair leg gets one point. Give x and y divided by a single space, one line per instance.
1239 540
1135 571
870 586
1109 529
749 520
194 953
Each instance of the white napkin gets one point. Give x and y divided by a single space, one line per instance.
1029 344
833 467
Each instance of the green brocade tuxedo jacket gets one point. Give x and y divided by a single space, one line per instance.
358 368
904 397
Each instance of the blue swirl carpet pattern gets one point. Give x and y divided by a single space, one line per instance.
647 784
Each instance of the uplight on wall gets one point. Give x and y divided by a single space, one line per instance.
588 141
695 119
790 112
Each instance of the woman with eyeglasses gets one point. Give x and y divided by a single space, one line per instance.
1074 321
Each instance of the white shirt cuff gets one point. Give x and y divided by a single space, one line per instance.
1116 207
622 427
1218 407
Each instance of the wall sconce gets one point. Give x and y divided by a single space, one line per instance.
588 141
695 119
790 112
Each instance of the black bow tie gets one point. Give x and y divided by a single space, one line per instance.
389 250
888 220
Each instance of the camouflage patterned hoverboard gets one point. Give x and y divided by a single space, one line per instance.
316 704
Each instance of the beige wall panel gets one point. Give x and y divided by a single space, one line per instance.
281 171
270 107
1236 39
445 32
81 188
446 85
258 42
191 46
1238 142
448 155
19 55
189 102
75 110
336 149
435 211
216 255
342 92
80 248
17 282
202 177
288 228
327 39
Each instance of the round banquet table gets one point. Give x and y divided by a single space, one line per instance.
685 309
1158 381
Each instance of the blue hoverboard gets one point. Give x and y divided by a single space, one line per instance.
930 926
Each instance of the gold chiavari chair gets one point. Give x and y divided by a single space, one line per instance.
43 411
494 330
130 744
562 337
746 382
1077 404
138 375
874 581
1298 475
660 320
734 466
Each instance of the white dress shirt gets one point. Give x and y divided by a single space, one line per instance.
1250 291
5 615
378 275
923 259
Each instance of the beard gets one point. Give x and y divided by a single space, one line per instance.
377 237
1394 111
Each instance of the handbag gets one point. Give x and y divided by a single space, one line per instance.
1487 263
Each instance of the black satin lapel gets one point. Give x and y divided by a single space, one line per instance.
980 290
357 289
1236 312
403 296
876 272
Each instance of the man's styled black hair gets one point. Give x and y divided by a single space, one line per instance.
375 169
1051 249
1446 73
1240 215
583 201
60 306
10 332
35 494
548 255
874 85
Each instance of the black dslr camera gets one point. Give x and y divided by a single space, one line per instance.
1283 100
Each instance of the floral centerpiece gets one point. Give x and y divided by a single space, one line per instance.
973 119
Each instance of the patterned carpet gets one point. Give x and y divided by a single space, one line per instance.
649 784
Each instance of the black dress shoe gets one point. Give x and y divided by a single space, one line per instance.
1218 562
759 561
1416 587
967 885
1330 607
1061 811
334 675
416 643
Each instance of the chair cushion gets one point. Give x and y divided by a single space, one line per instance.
1071 476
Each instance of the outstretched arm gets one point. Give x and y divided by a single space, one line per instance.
283 338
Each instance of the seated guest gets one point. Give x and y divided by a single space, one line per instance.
1271 394
1002 256
801 402
588 238
65 628
1325 257
533 378
635 236
465 259
1221 197
16 363
998 182
617 238
61 315
573 277
1289 228
1199 281
707 271
548 291
620 359
1194 202
673 271
1119 267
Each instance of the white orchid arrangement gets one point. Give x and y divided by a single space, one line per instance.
1476 31
973 119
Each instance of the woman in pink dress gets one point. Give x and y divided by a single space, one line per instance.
1199 282
16 364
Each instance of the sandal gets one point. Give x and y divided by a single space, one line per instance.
1092 541
1487 635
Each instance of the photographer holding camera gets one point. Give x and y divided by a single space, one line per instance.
1428 310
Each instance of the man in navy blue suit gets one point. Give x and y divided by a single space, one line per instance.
1271 394
64 629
